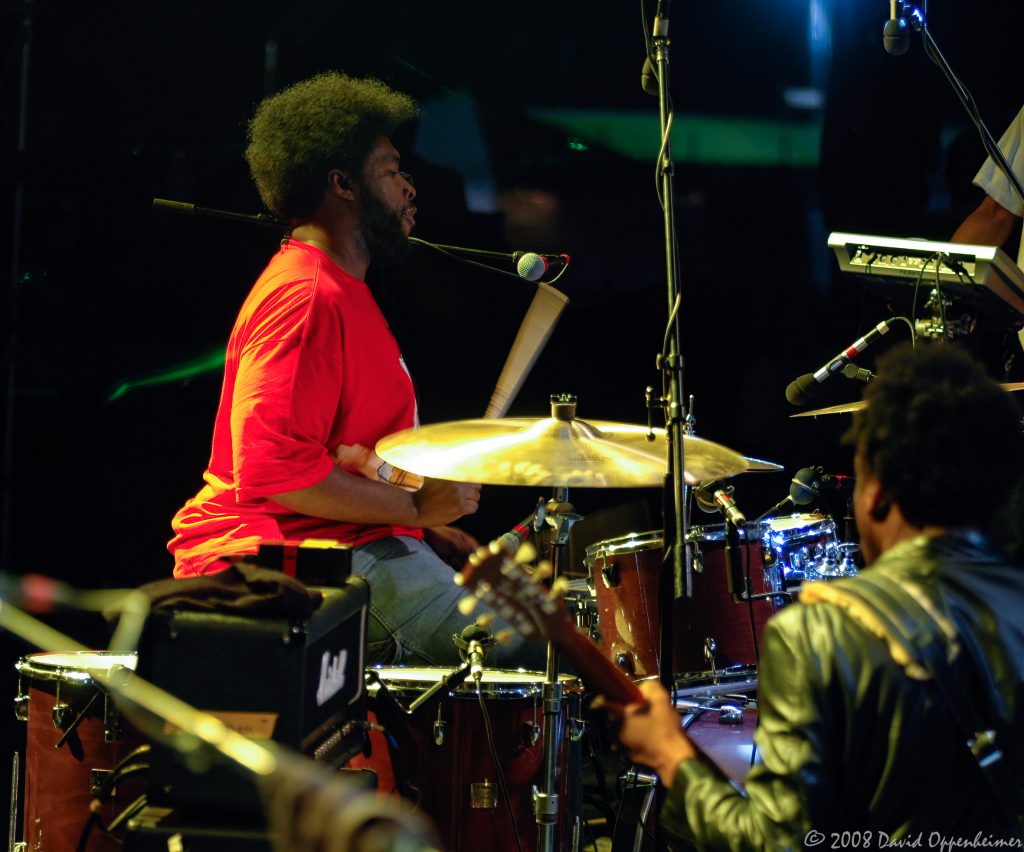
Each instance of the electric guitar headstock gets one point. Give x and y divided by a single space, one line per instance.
499 578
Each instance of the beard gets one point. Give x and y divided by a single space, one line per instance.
382 231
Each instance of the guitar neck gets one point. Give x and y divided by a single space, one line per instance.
596 669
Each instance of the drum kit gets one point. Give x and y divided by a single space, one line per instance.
532 721
616 607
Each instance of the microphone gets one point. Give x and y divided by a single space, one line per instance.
717 495
802 390
473 644
896 32
533 266
533 522
809 482
858 374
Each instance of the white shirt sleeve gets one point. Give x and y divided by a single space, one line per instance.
993 181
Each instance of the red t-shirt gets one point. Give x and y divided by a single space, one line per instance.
310 364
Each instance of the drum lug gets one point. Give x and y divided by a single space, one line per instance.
532 728
21 708
577 728
60 712
610 575
98 779
698 558
439 729
111 721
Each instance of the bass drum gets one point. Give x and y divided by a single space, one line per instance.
78 749
725 734
439 757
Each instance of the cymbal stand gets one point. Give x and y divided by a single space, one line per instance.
560 516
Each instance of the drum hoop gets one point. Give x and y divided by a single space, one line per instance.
35 667
629 543
716 532
814 525
491 688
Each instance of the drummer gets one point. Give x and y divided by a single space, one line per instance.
314 378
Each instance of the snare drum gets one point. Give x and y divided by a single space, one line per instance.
75 740
443 760
712 630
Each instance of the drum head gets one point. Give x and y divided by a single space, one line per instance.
495 683
74 667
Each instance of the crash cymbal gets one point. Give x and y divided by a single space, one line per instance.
860 404
555 452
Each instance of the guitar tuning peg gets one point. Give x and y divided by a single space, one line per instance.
503 637
559 588
543 571
485 619
467 604
526 553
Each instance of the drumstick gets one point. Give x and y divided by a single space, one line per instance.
534 331
541 317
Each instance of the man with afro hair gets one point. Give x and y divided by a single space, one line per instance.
314 377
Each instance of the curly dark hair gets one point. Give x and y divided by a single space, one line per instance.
331 121
943 439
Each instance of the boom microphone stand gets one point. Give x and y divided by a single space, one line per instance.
675 579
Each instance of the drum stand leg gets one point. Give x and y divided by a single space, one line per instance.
560 516
12 828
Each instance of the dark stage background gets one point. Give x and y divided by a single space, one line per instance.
128 101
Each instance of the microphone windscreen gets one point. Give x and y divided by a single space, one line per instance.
531 266
475 633
896 37
648 79
801 391
805 486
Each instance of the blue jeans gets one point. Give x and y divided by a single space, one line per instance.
414 609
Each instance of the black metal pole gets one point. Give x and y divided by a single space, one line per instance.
675 572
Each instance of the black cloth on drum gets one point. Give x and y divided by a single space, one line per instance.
850 737
239 590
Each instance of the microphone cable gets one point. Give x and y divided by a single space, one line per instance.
502 787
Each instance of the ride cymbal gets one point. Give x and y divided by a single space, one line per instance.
555 451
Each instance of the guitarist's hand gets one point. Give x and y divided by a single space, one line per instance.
652 733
